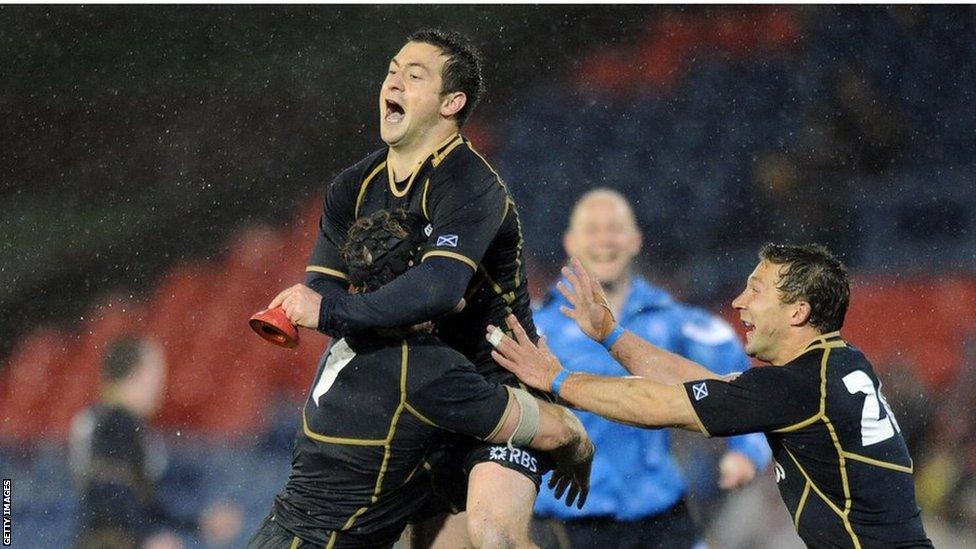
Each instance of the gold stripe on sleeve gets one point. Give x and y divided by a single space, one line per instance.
326 270
441 253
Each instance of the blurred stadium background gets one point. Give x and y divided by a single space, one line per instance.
163 168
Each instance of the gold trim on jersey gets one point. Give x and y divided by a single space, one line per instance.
842 463
295 542
441 253
521 241
365 183
326 270
880 463
828 345
508 202
441 152
799 507
332 540
796 426
833 507
413 411
508 298
413 472
392 180
388 442
824 339
841 460
478 154
338 440
694 412
423 199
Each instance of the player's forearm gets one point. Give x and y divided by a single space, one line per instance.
630 400
558 427
646 360
423 293
562 435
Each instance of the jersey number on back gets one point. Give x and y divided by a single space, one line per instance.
874 429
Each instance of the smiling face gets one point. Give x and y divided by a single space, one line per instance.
767 319
603 235
410 99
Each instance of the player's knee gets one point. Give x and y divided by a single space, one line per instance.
490 531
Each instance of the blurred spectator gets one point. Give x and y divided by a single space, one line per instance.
116 460
637 493
947 479
916 409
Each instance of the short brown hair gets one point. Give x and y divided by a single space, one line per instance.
462 70
812 274
122 358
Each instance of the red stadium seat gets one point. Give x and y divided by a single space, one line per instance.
29 385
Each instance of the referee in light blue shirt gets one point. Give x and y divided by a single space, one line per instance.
636 489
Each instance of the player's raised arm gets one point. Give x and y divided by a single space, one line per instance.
631 400
592 313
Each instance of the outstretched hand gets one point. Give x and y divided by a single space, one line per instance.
590 307
537 367
534 364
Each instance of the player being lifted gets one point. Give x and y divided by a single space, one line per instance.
367 459
473 250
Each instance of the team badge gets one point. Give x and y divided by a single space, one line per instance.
700 390
447 240
428 229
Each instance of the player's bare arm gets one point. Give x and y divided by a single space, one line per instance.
563 436
631 400
592 314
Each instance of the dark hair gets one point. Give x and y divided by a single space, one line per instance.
811 273
122 357
381 247
462 70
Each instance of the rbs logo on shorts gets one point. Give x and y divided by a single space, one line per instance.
515 455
